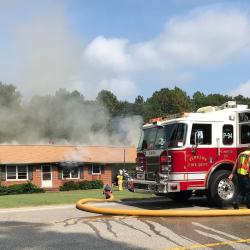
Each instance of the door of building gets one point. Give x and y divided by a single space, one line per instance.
46 176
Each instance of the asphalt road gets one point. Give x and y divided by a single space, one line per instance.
65 227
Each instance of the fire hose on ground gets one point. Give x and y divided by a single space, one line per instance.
83 205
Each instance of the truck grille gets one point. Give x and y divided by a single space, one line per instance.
153 165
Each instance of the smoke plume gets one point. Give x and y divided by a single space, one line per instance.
47 67
63 118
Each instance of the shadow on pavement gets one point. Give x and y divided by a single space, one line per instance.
166 203
22 235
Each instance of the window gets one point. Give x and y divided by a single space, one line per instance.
175 134
11 172
96 169
207 132
147 139
22 172
244 127
46 172
72 173
227 134
160 137
244 133
244 117
16 172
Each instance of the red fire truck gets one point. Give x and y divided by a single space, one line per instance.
190 153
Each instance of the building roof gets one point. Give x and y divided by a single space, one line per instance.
30 154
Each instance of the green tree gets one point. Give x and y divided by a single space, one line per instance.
10 113
139 105
179 101
198 100
240 99
110 101
9 96
166 102
139 100
216 99
127 108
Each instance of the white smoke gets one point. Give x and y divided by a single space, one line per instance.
78 155
50 56
49 53
65 118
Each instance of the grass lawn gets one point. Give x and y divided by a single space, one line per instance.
69 197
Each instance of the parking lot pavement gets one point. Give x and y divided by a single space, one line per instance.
65 227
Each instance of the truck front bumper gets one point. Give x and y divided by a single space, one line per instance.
144 186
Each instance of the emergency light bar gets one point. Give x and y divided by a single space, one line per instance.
168 117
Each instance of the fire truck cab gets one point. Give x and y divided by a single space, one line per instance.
191 153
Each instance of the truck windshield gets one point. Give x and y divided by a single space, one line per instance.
175 135
160 137
148 138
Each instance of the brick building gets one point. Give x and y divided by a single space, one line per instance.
49 166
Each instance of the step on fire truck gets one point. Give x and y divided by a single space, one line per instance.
190 153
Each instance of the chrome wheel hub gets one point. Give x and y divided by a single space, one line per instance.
226 189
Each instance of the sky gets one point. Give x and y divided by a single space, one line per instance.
130 47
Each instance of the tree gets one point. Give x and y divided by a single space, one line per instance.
139 105
9 96
10 112
166 102
127 108
198 100
139 100
201 100
76 95
240 99
110 101
216 99
179 101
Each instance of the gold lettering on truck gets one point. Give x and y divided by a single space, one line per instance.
198 161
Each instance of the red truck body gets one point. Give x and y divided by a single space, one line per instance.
193 153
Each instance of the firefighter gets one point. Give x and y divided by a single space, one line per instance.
107 191
242 169
120 180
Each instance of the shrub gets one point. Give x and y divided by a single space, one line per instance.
25 188
16 189
83 185
96 184
3 190
31 188
69 185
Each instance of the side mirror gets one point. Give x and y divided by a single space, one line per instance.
198 137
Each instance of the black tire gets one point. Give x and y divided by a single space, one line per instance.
180 196
221 190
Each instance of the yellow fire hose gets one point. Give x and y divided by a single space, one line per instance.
82 205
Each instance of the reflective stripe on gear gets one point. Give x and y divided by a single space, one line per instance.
244 161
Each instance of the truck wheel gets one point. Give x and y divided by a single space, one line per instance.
221 190
180 196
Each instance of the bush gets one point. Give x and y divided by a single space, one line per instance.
25 188
83 185
3 190
16 189
31 188
69 185
96 184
